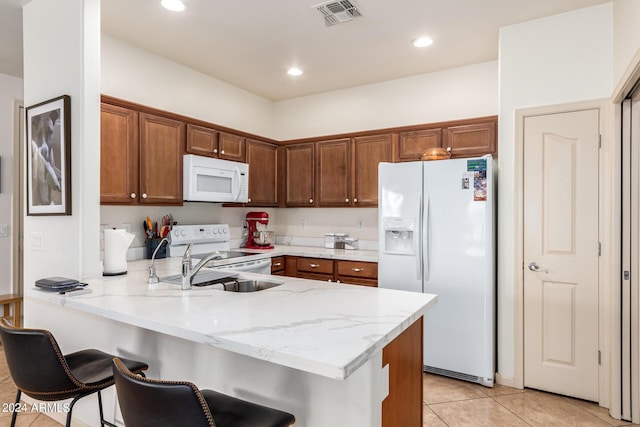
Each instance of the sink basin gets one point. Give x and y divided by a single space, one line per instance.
250 285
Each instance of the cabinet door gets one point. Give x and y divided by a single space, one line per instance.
231 147
333 162
118 155
299 172
263 173
202 141
471 140
368 152
412 144
161 150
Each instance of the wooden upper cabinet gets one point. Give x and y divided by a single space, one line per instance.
118 155
263 173
333 173
299 188
209 142
231 147
368 151
471 140
162 142
411 145
202 141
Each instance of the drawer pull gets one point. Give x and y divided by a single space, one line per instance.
276 264
357 270
314 265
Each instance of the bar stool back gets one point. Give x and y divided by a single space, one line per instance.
146 402
40 370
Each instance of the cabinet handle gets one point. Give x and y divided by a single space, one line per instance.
314 265
310 200
221 151
133 195
357 270
144 195
215 151
276 264
249 200
449 149
355 200
346 200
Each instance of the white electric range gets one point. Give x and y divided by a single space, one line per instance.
214 237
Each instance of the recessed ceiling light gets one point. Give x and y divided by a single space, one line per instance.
174 5
294 71
422 42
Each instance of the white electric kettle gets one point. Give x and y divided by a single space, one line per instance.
116 243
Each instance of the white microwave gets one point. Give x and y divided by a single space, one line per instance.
214 180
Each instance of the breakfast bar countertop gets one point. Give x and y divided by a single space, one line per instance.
323 328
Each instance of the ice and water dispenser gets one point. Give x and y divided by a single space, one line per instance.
399 235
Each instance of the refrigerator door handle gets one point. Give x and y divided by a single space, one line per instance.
425 241
417 242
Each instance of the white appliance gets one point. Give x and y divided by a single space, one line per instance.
214 180
436 235
214 237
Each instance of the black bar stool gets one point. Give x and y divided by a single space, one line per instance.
145 402
41 371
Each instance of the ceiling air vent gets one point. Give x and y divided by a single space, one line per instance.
337 12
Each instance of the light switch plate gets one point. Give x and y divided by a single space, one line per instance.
37 241
4 230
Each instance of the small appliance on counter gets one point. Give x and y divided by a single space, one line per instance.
116 243
258 235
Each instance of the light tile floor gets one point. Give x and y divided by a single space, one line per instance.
448 402
455 403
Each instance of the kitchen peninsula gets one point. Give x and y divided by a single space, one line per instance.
331 354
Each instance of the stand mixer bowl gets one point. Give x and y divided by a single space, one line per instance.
263 238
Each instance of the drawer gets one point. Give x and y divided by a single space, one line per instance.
368 270
277 264
315 265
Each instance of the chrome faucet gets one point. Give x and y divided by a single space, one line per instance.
153 277
189 271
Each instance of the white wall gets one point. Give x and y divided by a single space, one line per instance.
626 35
137 75
61 56
457 93
10 91
559 59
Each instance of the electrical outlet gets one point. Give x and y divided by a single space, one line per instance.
303 223
360 225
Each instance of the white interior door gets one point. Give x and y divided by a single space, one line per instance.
561 252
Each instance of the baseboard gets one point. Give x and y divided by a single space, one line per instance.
506 381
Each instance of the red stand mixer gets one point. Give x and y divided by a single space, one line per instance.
258 237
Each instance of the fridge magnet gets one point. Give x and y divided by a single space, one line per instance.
49 157
480 186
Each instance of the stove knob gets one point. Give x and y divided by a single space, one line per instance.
183 233
215 231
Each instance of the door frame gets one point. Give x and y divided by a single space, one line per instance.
17 213
609 237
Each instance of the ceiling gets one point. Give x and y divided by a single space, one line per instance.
251 43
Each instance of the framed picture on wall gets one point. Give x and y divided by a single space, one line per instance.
49 157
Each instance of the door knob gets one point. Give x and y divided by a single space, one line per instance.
533 266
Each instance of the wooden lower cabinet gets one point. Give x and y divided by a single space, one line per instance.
277 266
357 273
341 271
403 406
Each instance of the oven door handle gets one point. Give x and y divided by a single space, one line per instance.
247 266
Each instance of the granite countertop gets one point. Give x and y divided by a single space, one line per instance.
323 328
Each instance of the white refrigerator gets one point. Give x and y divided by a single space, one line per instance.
436 235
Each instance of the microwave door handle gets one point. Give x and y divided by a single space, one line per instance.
238 184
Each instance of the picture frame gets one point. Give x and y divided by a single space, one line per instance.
49 157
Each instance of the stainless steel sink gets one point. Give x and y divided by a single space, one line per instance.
250 285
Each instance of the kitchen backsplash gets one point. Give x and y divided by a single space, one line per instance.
300 227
